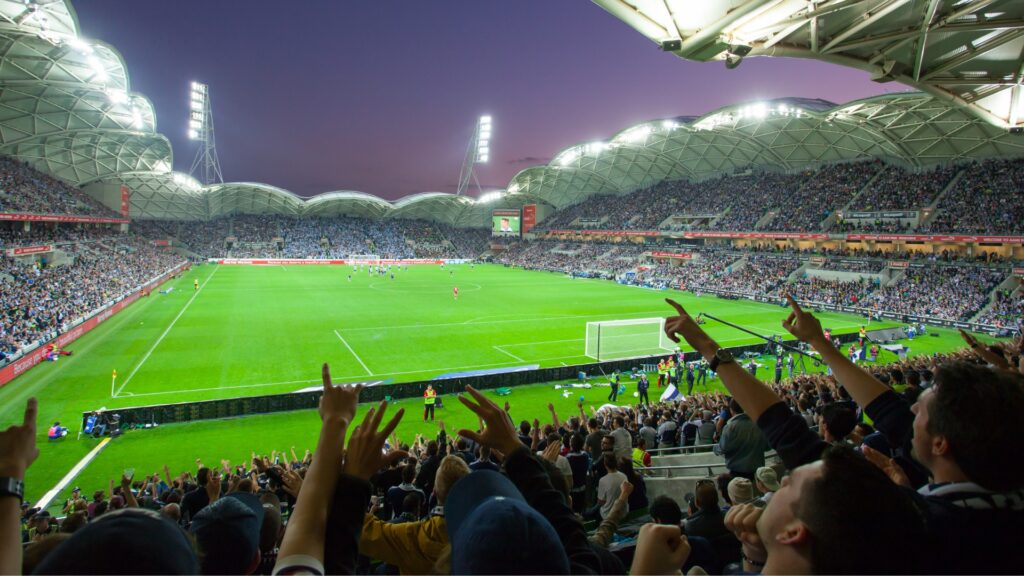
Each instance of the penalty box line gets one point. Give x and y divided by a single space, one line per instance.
162 336
354 355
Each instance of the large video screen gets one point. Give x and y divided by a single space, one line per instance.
505 223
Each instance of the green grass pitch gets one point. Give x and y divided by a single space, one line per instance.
263 330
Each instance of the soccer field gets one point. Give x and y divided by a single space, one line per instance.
252 330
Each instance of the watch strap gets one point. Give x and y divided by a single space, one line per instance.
12 487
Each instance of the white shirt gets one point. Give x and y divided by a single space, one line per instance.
608 490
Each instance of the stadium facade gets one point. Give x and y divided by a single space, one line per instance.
67 108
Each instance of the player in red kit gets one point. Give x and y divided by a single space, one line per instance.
455 292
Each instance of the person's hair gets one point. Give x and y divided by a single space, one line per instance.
626 467
592 423
411 504
408 473
706 495
913 378
203 476
576 442
649 422
100 509
735 407
974 408
461 445
839 419
36 552
451 469
171 511
610 462
524 428
641 443
620 421
73 522
270 530
553 437
664 510
881 528
897 376
432 448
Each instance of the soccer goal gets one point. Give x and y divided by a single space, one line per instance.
617 339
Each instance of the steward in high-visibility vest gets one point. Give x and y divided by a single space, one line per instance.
662 373
641 457
428 402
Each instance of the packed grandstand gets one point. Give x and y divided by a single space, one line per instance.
912 465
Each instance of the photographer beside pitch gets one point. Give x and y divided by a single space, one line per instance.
836 513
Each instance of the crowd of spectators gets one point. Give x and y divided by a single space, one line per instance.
757 277
986 200
847 265
933 488
835 292
13 234
899 189
1007 310
37 302
947 292
877 226
25 190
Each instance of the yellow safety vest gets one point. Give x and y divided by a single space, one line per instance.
428 397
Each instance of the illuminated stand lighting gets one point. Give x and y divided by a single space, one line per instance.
206 166
478 152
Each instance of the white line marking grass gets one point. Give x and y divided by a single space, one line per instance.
354 355
49 496
162 336
499 349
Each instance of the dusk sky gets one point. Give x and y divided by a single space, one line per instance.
382 96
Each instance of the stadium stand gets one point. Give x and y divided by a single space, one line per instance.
26 190
986 200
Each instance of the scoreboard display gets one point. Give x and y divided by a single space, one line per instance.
505 223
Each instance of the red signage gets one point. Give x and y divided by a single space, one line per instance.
1018 272
59 218
22 365
161 242
297 261
898 264
938 238
124 201
608 232
26 250
677 255
768 235
529 217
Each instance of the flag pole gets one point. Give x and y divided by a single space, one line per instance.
113 382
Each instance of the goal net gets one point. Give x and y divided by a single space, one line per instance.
617 339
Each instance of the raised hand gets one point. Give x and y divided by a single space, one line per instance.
683 325
292 482
338 404
741 520
887 465
660 549
18 444
551 452
365 454
803 325
499 434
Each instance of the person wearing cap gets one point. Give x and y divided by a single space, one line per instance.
740 490
76 494
767 482
416 547
227 533
492 519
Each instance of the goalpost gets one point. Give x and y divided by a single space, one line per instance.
618 339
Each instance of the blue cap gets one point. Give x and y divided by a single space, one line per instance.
493 530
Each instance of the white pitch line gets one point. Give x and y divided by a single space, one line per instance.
161 338
354 355
659 313
49 496
498 348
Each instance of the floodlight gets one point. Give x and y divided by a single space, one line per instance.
483 159
79 44
193 135
197 105
485 119
97 68
136 118
668 125
569 157
490 197
513 188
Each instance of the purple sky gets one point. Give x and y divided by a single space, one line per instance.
382 96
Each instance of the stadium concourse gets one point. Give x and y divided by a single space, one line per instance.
904 209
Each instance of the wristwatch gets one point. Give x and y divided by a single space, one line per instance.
722 356
12 487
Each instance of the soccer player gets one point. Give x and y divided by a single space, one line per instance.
195 284
455 292
429 396
349 277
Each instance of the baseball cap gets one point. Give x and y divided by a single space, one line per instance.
228 533
128 541
767 476
491 528
740 490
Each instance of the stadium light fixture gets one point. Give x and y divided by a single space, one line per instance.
97 68
117 96
483 139
490 197
137 122
197 111
79 44
185 181
513 188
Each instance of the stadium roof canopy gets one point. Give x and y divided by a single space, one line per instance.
67 108
968 52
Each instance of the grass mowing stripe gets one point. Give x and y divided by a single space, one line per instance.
162 336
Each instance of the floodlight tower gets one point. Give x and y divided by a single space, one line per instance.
206 166
478 152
